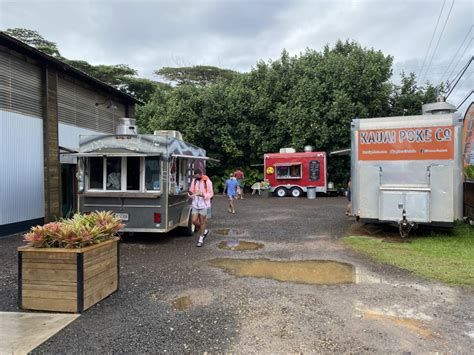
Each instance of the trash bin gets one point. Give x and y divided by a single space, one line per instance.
311 193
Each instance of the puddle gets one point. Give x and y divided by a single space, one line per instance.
315 272
227 231
413 325
239 245
182 303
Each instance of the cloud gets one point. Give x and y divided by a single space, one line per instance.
233 34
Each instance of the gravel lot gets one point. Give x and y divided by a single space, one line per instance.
386 310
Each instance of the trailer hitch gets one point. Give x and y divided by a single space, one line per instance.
405 226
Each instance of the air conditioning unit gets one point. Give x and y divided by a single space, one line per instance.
169 133
287 150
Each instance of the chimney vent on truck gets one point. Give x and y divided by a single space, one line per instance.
439 107
126 126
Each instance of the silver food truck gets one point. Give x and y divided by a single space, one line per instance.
142 178
408 170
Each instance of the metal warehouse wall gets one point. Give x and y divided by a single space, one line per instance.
21 139
21 172
20 84
77 106
69 135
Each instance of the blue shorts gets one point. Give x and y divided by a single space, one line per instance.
199 211
232 197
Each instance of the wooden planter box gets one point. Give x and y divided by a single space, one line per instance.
67 280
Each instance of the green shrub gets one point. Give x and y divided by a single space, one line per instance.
469 172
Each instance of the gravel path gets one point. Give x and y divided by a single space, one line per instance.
172 300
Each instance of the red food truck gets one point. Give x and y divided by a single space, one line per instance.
291 173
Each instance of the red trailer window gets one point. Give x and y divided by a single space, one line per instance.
288 171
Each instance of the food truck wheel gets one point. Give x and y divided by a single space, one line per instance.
281 192
296 192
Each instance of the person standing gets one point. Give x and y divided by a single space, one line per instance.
231 186
201 192
239 175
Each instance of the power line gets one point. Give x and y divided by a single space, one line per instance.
457 75
454 57
463 86
460 75
439 39
464 100
459 60
432 37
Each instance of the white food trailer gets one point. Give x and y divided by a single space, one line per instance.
408 170
143 178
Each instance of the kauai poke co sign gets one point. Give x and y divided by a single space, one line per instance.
419 143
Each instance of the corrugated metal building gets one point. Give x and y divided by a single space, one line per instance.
45 105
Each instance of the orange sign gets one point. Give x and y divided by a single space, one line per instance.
417 143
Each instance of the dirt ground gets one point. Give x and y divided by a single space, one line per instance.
175 297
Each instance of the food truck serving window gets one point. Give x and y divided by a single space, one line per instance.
114 176
288 171
132 173
152 173
96 173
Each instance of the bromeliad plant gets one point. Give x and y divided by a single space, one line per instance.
77 232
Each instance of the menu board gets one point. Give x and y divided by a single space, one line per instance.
314 170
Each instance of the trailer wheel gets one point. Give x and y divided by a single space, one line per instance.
296 192
281 192
190 228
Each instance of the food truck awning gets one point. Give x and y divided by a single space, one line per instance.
105 154
131 154
341 152
192 157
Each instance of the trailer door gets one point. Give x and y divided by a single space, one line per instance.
366 197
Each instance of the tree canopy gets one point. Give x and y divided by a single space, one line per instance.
34 39
306 99
198 75
408 97
293 101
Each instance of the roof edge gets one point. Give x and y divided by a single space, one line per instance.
24 48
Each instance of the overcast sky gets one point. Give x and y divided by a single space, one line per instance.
235 34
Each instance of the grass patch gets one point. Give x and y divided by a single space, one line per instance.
445 257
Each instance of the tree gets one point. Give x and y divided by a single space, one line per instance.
121 76
293 101
407 98
110 74
141 88
34 39
199 75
